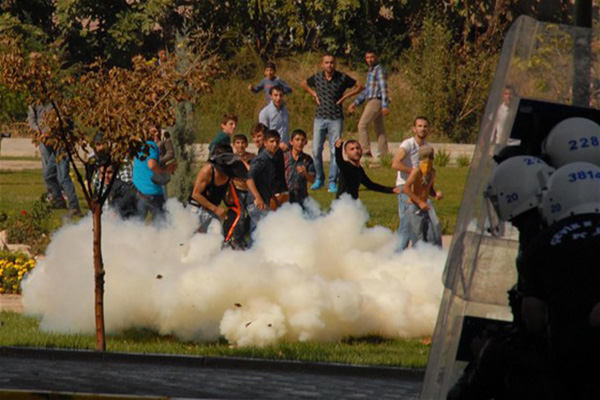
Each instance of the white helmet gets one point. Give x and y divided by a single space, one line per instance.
571 140
573 189
515 185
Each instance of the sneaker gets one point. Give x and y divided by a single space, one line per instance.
317 185
332 188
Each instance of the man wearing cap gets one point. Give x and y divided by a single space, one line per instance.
213 182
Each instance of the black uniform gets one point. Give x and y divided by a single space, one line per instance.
562 267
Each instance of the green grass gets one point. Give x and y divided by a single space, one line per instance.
21 331
20 189
19 158
383 208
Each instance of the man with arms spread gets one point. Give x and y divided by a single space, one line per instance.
405 159
377 106
328 87
352 173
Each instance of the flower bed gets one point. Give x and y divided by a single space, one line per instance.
13 268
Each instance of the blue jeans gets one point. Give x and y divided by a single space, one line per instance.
332 130
57 178
423 226
255 215
150 204
205 217
403 226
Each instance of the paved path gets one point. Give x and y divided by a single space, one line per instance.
22 147
198 377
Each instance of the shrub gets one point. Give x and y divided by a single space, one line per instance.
442 158
13 268
463 161
450 78
386 161
31 228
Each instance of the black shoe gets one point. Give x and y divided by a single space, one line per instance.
75 212
59 206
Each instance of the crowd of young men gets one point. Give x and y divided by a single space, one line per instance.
236 188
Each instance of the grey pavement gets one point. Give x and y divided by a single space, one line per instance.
198 377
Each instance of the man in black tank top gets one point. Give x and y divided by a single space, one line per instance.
212 184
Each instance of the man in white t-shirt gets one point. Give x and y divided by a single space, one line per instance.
500 133
405 159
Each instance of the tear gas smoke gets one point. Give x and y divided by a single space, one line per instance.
307 277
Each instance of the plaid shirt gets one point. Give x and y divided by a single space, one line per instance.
376 87
296 183
125 174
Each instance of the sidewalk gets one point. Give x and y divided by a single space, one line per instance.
24 148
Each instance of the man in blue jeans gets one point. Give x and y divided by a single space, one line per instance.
405 159
328 88
55 172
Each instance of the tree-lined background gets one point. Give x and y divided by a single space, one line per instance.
441 54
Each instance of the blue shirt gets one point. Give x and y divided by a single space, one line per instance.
277 119
376 87
266 84
142 174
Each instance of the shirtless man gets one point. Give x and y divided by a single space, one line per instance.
422 220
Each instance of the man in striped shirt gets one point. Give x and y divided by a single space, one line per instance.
377 106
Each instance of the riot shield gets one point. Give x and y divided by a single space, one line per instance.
552 73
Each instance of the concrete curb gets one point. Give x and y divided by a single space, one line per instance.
216 362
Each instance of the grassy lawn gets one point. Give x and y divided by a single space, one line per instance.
20 189
383 208
21 331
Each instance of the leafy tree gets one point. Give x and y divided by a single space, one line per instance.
117 102
451 67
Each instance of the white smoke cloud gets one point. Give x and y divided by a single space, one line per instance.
307 277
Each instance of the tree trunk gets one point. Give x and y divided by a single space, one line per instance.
98 276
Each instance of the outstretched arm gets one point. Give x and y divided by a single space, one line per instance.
376 187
